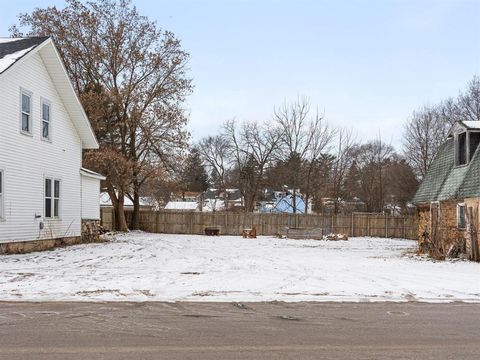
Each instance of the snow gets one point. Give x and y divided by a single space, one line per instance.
7 40
472 124
160 267
9 59
145 201
181 205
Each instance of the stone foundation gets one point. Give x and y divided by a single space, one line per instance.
91 231
23 247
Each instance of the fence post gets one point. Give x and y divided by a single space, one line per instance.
386 225
353 220
368 224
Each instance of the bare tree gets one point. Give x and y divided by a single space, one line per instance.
252 146
215 151
305 136
371 160
424 133
120 59
469 101
427 128
341 165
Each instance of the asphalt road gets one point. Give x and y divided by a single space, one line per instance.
239 331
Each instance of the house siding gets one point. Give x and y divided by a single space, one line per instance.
26 160
448 233
90 198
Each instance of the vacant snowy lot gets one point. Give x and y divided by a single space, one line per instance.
146 267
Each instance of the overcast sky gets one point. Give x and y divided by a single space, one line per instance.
366 64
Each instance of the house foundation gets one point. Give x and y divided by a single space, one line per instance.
91 231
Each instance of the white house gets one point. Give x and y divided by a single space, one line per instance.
44 191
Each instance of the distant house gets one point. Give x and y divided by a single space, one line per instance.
186 196
45 193
283 202
146 203
448 199
342 206
221 200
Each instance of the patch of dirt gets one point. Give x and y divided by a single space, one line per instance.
20 276
288 317
145 292
99 291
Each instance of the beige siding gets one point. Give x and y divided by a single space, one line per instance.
27 159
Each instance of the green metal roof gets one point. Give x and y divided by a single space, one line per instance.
444 181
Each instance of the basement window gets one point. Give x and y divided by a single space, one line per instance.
461 217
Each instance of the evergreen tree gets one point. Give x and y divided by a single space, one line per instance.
194 175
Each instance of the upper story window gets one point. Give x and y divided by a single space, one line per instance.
46 114
2 211
26 112
466 143
474 140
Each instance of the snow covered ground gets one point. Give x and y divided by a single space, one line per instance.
146 267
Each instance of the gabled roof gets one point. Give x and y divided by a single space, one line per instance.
14 51
444 180
462 126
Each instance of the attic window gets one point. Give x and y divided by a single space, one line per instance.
461 149
474 140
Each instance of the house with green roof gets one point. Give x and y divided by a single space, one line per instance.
448 199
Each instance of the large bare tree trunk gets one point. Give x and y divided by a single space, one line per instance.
118 206
135 224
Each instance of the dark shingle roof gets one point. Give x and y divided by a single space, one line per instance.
445 181
19 44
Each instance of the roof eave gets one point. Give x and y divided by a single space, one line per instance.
88 138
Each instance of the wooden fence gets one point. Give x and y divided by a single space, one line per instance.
232 223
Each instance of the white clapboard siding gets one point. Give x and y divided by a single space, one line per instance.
90 198
27 159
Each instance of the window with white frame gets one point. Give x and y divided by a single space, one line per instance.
52 198
461 216
46 113
2 190
26 111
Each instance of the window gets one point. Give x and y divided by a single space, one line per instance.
474 140
461 218
26 112
52 198
2 212
461 149
46 120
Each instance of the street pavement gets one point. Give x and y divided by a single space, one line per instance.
277 330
